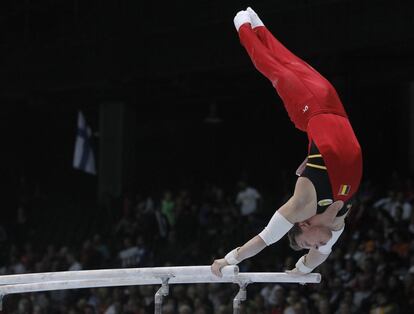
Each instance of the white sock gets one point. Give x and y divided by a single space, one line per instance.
242 17
256 21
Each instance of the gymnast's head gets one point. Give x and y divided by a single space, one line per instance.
304 235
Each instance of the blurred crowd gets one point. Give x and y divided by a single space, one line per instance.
371 269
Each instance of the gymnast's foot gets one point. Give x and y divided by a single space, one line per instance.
242 17
255 20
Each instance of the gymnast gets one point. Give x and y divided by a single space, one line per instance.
314 217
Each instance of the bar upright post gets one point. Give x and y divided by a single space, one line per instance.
239 298
161 293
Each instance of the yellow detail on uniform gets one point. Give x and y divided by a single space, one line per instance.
344 190
325 202
315 166
315 156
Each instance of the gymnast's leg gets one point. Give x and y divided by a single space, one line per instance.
283 79
279 51
260 55
284 55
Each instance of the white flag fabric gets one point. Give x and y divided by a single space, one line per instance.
83 158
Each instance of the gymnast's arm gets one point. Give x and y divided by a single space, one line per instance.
298 208
249 249
307 263
274 231
281 222
310 261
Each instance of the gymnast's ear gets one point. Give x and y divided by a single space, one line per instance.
304 225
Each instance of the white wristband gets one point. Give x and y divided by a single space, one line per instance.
231 257
277 227
300 265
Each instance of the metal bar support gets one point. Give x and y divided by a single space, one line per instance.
162 292
240 297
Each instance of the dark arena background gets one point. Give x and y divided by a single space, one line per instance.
181 122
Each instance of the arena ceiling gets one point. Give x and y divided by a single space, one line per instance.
111 46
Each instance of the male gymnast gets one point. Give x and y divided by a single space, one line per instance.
315 215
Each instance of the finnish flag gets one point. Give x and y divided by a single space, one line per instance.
83 158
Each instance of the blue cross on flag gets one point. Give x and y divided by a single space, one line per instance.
83 158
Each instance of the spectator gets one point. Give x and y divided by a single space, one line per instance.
382 305
247 199
72 262
371 270
184 309
168 207
132 255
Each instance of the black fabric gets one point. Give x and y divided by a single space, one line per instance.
321 182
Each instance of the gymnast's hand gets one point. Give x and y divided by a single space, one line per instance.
217 266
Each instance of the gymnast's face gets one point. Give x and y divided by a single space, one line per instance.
312 236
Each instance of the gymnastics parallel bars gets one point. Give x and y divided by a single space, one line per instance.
115 273
12 284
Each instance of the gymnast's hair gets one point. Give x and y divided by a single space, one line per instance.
292 234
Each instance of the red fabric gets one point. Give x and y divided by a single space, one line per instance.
336 141
312 104
303 90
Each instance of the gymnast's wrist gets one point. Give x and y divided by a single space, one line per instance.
232 257
301 266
